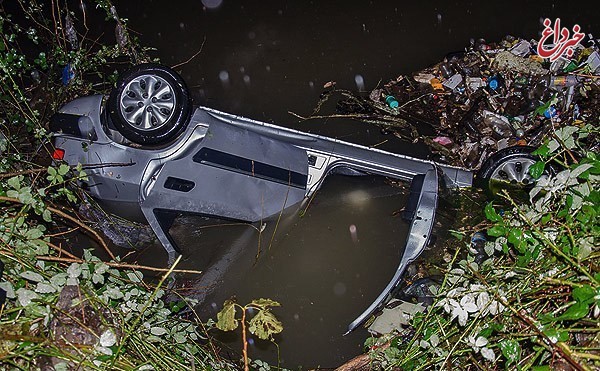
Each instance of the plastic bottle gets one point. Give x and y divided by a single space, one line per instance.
499 124
478 241
495 83
391 101
446 70
550 112
563 81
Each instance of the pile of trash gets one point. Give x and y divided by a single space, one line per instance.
487 97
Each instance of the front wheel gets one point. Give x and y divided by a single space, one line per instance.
508 169
150 104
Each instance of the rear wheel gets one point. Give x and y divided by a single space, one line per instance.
508 169
150 104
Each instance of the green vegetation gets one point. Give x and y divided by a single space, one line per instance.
262 324
534 300
532 303
69 309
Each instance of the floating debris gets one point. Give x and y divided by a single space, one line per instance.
483 99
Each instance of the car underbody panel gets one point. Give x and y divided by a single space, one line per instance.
230 167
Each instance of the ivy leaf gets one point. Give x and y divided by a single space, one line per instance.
566 136
586 245
511 350
542 150
63 169
226 317
25 296
488 354
456 234
575 311
15 182
555 336
265 325
537 169
515 237
44 288
158 331
33 234
584 294
47 216
32 276
580 169
491 213
496 231
108 339
264 303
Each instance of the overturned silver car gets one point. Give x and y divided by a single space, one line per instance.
160 157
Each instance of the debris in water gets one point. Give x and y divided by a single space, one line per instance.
484 98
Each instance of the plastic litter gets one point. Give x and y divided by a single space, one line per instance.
453 82
68 73
396 315
478 241
391 101
489 96
443 140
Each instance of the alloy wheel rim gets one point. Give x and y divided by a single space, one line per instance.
147 102
514 171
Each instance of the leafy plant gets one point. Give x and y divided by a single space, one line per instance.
263 324
533 300
65 307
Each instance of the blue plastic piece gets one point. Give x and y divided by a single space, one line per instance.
550 112
68 73
478 236
391 101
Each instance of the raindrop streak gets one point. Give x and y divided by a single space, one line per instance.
439 18
224 77
353 233
360 82
247 79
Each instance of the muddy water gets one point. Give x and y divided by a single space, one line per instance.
324 262
262 59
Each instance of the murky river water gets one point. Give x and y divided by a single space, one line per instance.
262 59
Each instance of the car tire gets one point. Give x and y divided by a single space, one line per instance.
150 104
508 169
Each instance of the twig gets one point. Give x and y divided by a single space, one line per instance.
354 116
192 57
61 251
23 172
88 166
117 265
244 340
414 100
554 248
559 347
136 322
584 75
70 218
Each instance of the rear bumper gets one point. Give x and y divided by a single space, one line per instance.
420 213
